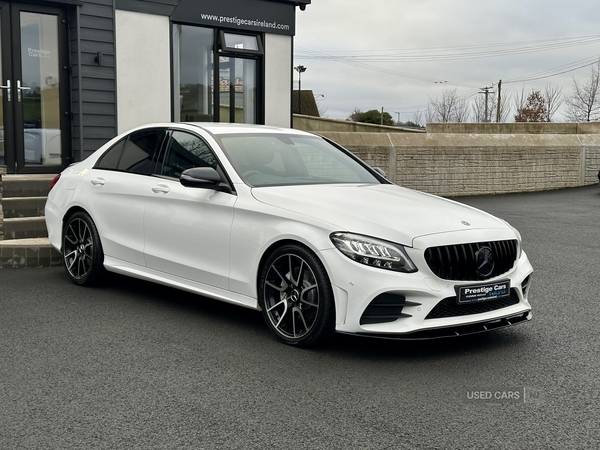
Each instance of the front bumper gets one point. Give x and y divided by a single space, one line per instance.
355 287
458 330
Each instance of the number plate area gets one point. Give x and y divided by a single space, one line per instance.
483 292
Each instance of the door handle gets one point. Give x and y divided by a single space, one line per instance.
20 88
7 87
161 189
98 181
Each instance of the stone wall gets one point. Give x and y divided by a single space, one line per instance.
322 124
515 128
456 164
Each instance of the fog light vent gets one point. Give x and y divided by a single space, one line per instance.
385 308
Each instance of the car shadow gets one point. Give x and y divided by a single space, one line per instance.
250 324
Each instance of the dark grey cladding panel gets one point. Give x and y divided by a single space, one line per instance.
159 7
266 16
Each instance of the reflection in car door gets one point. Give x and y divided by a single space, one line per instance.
187 229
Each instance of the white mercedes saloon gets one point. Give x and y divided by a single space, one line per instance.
289 223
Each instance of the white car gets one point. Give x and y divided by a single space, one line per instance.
289 223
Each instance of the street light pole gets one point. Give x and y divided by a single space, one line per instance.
300 70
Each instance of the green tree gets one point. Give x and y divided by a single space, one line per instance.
371 116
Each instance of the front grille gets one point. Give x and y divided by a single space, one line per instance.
449 308
458 262
385 308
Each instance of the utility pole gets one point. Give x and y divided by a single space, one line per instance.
498 104
486 91
382 115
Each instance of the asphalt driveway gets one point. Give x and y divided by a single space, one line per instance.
135 365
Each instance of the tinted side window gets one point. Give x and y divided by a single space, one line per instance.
139 154
110 160
185 151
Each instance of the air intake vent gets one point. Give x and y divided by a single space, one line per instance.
449 308
386 308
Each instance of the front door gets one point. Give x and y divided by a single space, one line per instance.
34 99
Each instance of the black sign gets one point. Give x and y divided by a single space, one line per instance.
263 16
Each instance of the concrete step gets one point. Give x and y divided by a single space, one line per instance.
23 207
28 253
25 227
25 185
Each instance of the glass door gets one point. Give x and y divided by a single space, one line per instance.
34 88
237 93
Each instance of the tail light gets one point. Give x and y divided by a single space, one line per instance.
54 181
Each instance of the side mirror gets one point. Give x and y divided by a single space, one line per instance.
380 172
200 177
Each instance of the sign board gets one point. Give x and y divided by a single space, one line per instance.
262 16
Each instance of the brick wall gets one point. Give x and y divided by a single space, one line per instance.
455 164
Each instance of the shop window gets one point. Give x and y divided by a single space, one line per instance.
216 75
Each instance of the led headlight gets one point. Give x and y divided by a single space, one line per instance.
373 252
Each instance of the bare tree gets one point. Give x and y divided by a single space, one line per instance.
354 116
430 115
449 107
461 111
419 119
553 98
583 105
520 99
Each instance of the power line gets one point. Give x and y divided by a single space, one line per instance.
384 70
560 70
451 53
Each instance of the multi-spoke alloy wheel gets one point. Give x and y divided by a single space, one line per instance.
82 251
295 296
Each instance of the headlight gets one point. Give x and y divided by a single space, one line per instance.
373 252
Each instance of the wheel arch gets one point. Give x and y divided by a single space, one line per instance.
278 244
67 215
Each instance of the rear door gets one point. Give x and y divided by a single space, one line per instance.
115 189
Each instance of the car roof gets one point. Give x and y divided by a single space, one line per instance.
216 128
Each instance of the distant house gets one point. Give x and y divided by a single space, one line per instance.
303 102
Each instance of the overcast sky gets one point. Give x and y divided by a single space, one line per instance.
398 54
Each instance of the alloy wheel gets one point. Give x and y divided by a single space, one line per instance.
78 249
291 296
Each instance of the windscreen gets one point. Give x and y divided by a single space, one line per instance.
276 159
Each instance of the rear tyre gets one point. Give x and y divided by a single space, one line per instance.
296 297
82 250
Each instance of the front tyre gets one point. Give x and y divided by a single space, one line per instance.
295 296
82 250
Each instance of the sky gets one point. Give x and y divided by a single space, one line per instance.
401 54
